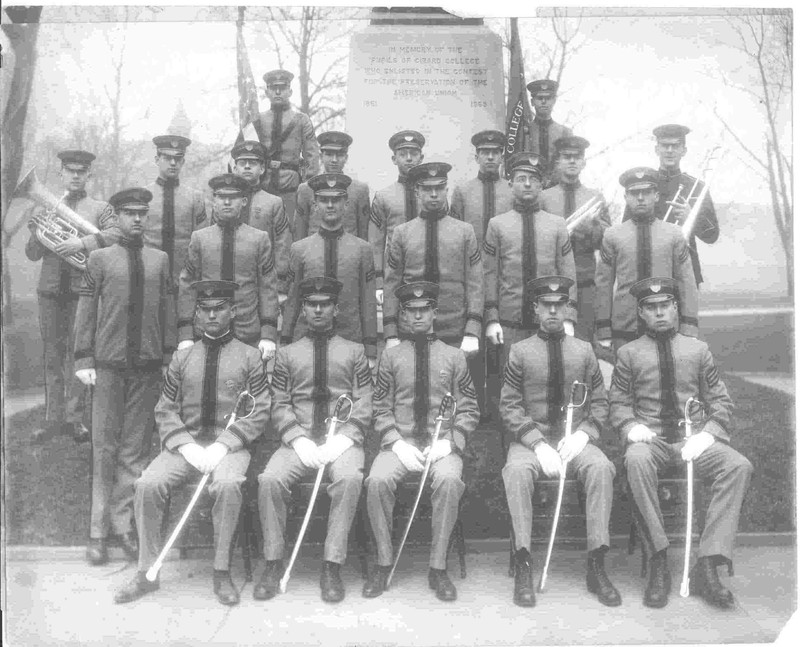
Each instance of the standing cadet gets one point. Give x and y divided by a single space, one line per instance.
653 378
309 377
177 210
59 285
232 251
413 378
263 210
397 203
288 136
439 249
542 130
670 148
200 390
337 254
333 147
477 202
124 334
634 250
536 386
563 199
520 245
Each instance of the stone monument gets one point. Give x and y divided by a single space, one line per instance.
427 70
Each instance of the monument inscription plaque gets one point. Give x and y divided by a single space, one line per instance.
443 80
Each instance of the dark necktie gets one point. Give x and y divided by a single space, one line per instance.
321 392
569 199
421 385
555 376
544 139
228 263
488 180
168 219
670 413
331 254
135 299
208 406
410 196
431 246
528 264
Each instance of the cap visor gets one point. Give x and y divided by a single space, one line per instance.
657 298
639 186
419 303
212 302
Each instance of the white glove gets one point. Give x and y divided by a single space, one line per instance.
194 454
549 459
409 455
494 333
605 343
87 376
696 445
392 342
337 445
308 452
570 447
441 449
282 299
214 453
640 434
569 328
470 345
379 297
186 343
267 348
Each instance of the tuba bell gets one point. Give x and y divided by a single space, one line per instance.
59 223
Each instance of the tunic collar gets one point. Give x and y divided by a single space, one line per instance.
331 233
662 335
218 341
402 179
429 337
229 225
550 335
669 173
162 182
74 196
436 215
321 334
488 177
132 243
540 120
526 209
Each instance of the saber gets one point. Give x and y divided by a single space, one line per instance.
448 402
687 423
562 477
675 197
332 421
152 572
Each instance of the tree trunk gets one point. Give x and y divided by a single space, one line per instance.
782 219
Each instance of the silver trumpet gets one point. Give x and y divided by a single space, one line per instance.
588 210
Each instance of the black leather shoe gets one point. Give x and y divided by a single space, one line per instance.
376 584
597 581
135 589
269 584
704 581
523 579
656 594
78 432
129 543
330 583
445 589
224 589
44 433
97 552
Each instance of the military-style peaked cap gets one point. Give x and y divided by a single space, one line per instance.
84 158
656 288
334 140
640 177
542 86
329 184
417 294
172 144
406 139
570 143
137 198
488 139
214 293
278 77
430 173
550 288
249 150
229 184
526 161
320 288
671 131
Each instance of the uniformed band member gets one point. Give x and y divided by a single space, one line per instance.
633 251
263 210
227 251
520 245
59 285
413 378
542 130
536 386
396 203
201 387
670 148
125 332
177 210
288 136
337 254
653 378
437 248
564 199
309 377
333 147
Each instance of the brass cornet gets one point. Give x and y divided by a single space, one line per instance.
59 223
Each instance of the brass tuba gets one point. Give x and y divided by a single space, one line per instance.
59 223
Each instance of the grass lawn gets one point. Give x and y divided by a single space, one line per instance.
47 487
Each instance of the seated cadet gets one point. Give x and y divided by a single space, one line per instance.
413 378
653 378
536 386
309 377
200 390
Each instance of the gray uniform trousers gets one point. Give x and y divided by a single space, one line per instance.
591 467
171 470
283 470
64 393
445 478
584 327
122 431
729 472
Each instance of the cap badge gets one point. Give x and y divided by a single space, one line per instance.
174 143
331 182
228 180
408 138
534 161
248 147
432 172
318 284
553 287
639 174
418 292
490 137
656 287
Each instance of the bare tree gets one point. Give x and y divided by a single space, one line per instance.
765 38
